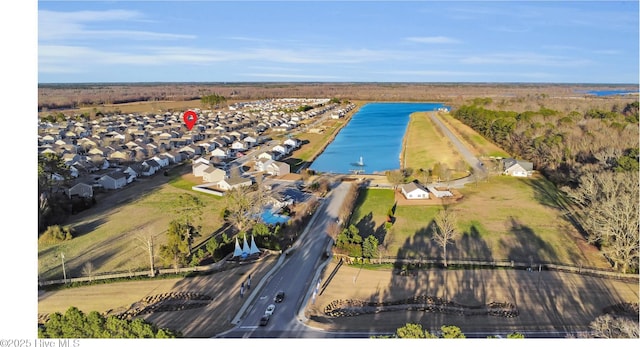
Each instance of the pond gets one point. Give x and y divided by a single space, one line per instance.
372 141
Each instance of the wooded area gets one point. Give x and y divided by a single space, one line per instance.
592 155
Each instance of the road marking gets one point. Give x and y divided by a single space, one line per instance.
248 327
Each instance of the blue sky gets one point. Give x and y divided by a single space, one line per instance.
337 41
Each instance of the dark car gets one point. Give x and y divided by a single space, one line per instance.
279 297
264 320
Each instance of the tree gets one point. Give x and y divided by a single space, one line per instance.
260 229
451 332
444 230
423 176
370 247
56 233
75 324
607 207
212 100
515 335
189 214
52 173
410 331
243 206
178 246
395 177
146 243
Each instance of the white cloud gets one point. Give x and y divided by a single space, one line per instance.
533 59
433 39
63 26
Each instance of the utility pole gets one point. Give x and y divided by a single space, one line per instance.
64 272
153 271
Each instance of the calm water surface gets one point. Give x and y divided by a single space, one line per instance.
375 133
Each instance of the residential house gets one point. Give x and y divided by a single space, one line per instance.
413 191
212 174
82 190
198 168
261 164
150 167
266 155
238 146
113 180
162 160
278 168
234 182
219 153
294 143
133 171
281 149
249 141
517 168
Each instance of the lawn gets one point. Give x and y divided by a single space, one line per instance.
424 145
504 218
371 210
110 241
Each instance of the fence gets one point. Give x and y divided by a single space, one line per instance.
131 274
387 260
532 266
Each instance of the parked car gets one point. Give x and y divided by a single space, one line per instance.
279 296
270 309
264 320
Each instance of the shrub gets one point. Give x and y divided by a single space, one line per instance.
56 233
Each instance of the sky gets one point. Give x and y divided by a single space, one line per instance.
338 41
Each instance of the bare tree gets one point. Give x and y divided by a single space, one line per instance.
243 205
610 327
608 211
146 243
88 270
445 230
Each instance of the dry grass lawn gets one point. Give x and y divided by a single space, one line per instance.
424 145
108 236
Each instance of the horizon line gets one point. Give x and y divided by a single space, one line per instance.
344 82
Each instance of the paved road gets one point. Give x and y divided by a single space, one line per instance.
297 273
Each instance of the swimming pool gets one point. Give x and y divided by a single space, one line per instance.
272 218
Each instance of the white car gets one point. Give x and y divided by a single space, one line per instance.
270 309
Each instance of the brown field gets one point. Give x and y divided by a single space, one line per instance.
516 97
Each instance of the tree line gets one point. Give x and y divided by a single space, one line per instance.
76 324
592 156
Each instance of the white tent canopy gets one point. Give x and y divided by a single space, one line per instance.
254 249
245 246
238 251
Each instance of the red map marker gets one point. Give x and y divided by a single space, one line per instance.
190 119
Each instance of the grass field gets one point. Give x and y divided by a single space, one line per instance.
109 241
424 145
504 218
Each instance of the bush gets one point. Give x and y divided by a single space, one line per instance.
56 233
